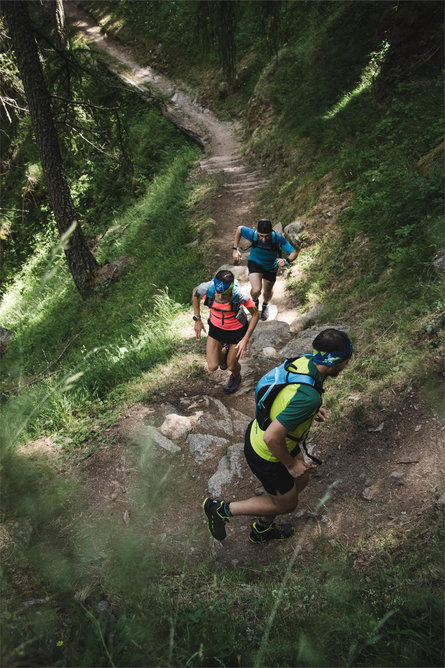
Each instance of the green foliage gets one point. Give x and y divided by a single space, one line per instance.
112 145
112 603
132 328
354 131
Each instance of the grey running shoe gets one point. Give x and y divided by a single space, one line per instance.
232 384
217 514
271 532
264 312
223 365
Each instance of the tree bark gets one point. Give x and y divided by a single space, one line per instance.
54 14
81 261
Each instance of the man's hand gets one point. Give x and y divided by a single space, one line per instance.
298 468
199 327
281 262
322 415
237 255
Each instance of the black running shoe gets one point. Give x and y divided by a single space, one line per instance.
223 365
274 531
217 514
264 312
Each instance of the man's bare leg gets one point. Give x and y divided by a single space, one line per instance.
256 285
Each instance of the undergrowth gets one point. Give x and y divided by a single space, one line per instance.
92 592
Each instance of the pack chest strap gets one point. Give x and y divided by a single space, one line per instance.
303 443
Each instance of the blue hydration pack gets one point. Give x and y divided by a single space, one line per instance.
270 385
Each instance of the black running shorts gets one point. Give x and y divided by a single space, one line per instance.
274 476
227 335
255 268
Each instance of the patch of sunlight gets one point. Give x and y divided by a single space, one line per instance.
369 74
286 186
10 304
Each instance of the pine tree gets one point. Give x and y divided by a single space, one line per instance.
81 262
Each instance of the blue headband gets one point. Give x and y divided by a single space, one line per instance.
335 357
220 286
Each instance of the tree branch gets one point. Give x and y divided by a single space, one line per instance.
84 104
100 150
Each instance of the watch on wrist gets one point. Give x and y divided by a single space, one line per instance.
196 318
234 248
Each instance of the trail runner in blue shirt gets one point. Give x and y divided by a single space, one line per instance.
264 259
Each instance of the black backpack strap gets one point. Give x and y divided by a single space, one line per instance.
313 457
303 443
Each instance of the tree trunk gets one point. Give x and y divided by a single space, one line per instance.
54 14
81 262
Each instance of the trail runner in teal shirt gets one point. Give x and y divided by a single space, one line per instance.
264 259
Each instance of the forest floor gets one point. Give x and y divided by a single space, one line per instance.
388 477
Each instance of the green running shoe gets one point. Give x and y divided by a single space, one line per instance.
274 531
217 514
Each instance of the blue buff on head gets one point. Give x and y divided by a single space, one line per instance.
222 287
335 357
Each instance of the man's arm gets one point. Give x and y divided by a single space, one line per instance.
237 253
275 439
292 253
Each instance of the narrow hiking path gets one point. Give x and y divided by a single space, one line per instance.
388 476
222 158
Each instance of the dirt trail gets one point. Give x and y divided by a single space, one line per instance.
389 477
238 203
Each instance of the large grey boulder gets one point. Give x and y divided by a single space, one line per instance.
202 445
228 467
293 231
175 426
240 422
307 318
269 334
217 418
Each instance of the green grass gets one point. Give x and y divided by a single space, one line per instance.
108 596
130 328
